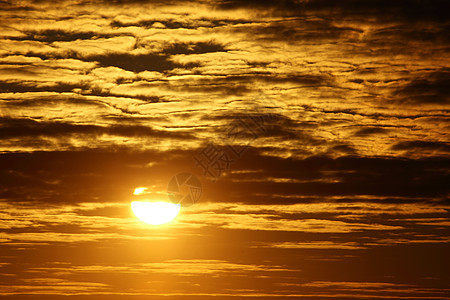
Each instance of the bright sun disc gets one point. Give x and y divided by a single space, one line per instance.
155 213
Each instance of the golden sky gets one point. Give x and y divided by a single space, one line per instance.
341 186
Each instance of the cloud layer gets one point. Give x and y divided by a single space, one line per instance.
323 125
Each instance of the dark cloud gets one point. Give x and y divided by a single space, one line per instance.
333 64
159 62
382 10
302 30
284 5
134 119
236 89
15 7
259 122
74 176
176 24
125 61
258 64
50 55
374 115
342 149
58 35
138 2
246 83
422 146
139 62
437 35
55 100
385 10
96 172
370 131
302 79
433 88
323 176
30 86
13 128
194 48
147 98
326 20
82 88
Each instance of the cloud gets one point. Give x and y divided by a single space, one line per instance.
171 23
314 245
384 10
291 180
311 31
421 146
251 4
53 286
371 131
188 267
53 35
27 127
346 149
194 48
266 223
432 88
27 87
21 239
354 284
139 62
346 175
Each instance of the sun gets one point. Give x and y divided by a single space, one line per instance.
155 213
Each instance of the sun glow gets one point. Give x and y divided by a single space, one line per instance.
139 190
155 213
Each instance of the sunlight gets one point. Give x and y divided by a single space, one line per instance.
139 190
155 213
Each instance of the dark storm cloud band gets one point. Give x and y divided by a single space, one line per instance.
12 128
291 180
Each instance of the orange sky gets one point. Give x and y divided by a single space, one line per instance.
341 189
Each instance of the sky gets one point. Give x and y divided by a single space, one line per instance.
317 133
